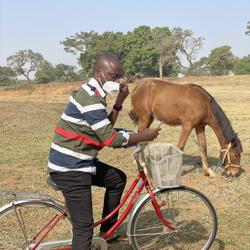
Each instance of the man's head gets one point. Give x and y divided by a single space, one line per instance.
107 68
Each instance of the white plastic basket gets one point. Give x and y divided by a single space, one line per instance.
164 164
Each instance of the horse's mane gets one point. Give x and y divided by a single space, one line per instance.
227 129
222 119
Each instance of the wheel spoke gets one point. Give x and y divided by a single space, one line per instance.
190 212
21 223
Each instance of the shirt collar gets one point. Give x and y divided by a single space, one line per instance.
92 82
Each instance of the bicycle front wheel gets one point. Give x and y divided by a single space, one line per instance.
188 210
21 222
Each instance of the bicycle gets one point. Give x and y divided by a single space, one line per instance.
175 217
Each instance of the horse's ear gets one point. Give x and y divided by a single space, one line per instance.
234 142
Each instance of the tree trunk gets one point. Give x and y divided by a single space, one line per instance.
160 67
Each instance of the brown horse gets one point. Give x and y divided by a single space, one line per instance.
192 107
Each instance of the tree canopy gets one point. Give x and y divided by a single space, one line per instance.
164 44
221 61
25 62
144 51
7 75
242 66
187 46
60 73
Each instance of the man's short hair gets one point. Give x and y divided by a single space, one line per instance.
103 58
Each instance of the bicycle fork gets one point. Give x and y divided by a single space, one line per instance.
158 210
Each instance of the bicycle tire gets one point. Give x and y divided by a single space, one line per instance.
31 215
187 209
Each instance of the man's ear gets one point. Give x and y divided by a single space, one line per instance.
98 70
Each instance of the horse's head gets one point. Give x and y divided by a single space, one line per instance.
231 156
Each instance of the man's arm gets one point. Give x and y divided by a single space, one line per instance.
148 134
113 116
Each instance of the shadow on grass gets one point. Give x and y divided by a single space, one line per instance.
195 164
218 245
174 241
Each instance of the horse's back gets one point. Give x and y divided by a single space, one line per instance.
172 101
174 92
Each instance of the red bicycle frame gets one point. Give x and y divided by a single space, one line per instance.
144 183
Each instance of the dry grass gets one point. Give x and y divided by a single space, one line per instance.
28 118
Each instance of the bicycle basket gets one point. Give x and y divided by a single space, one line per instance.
164 164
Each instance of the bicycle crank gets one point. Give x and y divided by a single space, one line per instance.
98 243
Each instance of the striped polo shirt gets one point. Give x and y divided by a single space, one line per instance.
83 130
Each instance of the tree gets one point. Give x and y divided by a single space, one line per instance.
187 45
199 68
171 69
221 60
80 42
88 45
106 42
65 73
248 28
165 46
140 56
7 76
46 73
60 73
242 66
24 62
134 49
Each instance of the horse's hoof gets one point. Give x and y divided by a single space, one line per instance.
225 174
211 173
238 174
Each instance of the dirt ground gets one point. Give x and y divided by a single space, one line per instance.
28 118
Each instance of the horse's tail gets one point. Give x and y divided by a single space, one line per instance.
133 116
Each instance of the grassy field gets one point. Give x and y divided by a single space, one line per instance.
28 118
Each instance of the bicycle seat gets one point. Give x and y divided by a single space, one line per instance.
52 184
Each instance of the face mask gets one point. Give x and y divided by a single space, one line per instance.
110 87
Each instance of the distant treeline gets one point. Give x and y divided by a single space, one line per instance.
145 51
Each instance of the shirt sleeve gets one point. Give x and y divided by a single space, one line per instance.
97 118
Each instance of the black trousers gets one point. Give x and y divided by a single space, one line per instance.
76 189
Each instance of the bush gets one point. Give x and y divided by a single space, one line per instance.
242 66
7 76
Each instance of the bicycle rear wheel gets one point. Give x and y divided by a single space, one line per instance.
188 210
20 221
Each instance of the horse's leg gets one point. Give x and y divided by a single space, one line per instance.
185 132
145 122
200 132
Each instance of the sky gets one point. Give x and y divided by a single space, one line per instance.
40 25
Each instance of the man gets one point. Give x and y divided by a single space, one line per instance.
83 130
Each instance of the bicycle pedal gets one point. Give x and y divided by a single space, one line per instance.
98 243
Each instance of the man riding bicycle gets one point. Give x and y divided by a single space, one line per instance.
84 129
